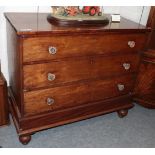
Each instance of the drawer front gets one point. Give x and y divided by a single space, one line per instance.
48 48
73 95
71 70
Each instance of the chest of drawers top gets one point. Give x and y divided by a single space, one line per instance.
35 24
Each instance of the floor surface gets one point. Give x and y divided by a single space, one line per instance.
137 129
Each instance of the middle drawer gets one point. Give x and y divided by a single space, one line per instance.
71 70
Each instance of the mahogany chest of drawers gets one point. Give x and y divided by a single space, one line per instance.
60 75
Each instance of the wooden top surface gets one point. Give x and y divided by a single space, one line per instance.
33 23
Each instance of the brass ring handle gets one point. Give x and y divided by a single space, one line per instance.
126 66
52 50
120 87
131 44
50 101
51 77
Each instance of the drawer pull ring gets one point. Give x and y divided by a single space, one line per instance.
120 87
52 50
131 44
50 101
51 77
126 66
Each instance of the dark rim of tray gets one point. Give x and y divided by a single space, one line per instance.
63 22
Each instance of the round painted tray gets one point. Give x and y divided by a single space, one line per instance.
79 20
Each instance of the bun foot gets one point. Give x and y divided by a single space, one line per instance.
122 113
25 139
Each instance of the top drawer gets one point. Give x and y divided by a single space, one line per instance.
55 47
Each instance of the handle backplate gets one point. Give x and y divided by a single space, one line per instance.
50 101
126 66
51 77
120 87
131 44
52 50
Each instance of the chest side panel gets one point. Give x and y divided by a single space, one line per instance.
14 49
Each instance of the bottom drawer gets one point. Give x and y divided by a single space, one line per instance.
73 95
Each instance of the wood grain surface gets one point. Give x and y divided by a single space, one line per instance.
145 85
36 24
37 49
72 70
76 94
4 108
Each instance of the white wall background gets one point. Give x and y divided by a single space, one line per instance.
130 12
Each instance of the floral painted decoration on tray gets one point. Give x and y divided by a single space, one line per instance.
78 16
77 10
